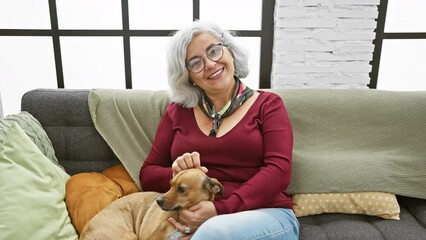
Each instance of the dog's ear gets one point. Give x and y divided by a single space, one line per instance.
213 185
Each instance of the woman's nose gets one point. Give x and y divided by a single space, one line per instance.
209 63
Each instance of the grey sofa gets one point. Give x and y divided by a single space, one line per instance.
64 114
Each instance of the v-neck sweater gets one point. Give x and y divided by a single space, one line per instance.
253 160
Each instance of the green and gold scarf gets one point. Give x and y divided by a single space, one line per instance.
241 94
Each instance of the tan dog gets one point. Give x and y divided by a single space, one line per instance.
139 216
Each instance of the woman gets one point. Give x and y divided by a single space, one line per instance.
239 136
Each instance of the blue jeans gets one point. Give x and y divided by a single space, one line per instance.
265 223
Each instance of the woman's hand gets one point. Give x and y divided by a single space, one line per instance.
186 161
181 228
194 216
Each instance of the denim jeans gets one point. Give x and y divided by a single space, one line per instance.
265 223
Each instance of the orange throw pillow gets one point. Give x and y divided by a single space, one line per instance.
120 176
87 194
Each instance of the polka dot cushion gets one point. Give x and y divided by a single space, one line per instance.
384 205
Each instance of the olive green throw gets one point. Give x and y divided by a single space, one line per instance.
344 140
128 121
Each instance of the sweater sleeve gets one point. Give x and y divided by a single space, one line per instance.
156 172
268 185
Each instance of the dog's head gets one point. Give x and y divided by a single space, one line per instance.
188 188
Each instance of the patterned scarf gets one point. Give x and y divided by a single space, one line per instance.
241 94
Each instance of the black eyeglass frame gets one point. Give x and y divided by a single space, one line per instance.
202 59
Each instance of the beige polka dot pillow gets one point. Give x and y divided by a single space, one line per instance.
380 204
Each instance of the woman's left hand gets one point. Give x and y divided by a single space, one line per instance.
194 216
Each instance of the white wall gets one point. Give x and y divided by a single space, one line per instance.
323 43
1 107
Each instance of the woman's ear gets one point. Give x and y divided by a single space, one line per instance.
190 82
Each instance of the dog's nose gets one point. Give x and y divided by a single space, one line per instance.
160 201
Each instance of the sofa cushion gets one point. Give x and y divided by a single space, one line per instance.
64 115
33 129
384 205
119 175
88 193
336 226
32 191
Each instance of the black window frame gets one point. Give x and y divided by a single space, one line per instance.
382 35
266 35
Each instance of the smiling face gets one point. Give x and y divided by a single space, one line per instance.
217 77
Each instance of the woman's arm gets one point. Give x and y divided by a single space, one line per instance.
156 171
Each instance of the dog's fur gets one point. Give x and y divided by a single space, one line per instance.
144 215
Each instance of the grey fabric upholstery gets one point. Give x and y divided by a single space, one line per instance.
65 116
412 225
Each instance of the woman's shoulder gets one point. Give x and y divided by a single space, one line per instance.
265 96
270 102
174 109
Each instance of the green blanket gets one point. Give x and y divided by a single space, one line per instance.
128 121
344 140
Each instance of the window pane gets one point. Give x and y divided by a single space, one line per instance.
89 14
402 65
252 45
149 66
24 14
236 18
406 16
159 14
93 62
25 63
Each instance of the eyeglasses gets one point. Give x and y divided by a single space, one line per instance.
214 53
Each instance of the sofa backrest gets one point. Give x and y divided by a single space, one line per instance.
376 137
64 114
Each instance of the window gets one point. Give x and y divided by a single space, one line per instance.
400 46
115 43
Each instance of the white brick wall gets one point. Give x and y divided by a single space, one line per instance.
323 43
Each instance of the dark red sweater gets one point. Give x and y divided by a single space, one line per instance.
252 160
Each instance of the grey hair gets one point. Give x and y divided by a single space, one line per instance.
183 91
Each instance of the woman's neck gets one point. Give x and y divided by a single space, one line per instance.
221 99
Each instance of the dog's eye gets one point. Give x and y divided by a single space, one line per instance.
181 189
